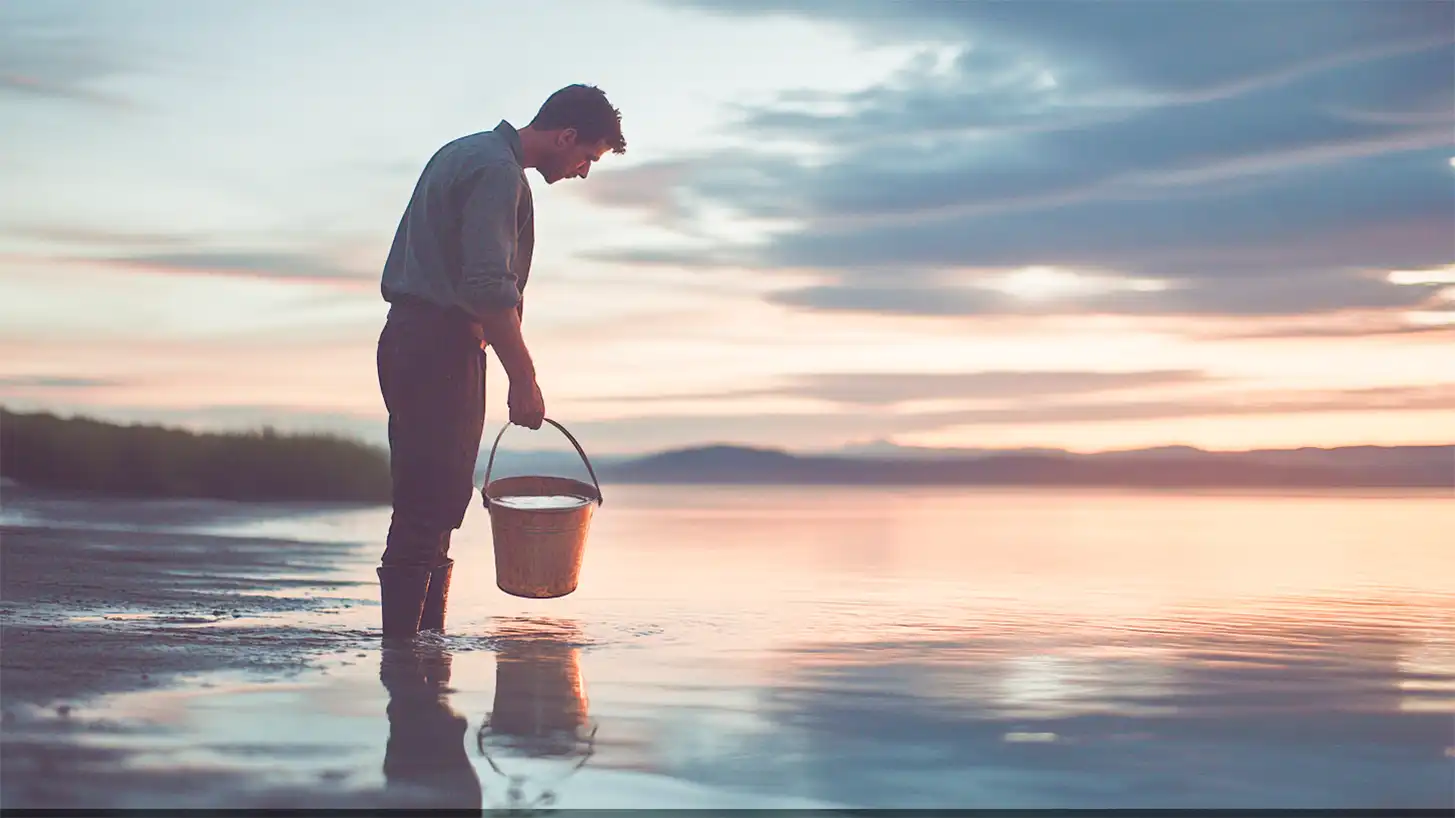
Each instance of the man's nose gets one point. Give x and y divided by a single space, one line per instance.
585 169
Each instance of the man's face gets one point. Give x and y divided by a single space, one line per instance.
573 158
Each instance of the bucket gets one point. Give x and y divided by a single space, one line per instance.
538 525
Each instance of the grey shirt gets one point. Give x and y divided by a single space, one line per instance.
468 232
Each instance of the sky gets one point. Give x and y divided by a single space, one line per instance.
965 224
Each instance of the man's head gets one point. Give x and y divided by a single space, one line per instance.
573 129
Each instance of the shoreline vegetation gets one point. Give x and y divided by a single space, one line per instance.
78 454
44 451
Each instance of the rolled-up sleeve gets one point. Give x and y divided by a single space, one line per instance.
489 230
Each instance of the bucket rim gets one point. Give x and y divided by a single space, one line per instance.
574 488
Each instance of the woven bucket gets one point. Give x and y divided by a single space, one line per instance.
538 526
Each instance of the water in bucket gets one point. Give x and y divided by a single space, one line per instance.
528 501
539 526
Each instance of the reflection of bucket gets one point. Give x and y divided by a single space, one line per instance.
540 712
540 703
539 526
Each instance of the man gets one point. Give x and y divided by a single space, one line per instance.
455 279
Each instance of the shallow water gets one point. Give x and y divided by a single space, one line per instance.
878 647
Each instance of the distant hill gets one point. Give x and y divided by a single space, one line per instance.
1353 466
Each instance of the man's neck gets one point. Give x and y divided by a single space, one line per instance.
534 146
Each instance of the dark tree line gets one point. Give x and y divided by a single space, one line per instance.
81 454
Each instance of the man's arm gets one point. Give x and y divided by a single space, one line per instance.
502 333
488 287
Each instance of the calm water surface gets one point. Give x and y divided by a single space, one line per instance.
890 648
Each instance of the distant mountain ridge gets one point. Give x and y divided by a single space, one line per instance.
1349 466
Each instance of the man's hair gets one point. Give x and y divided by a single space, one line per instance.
585 108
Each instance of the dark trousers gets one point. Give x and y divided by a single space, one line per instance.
432 376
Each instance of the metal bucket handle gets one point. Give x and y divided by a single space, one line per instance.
584 459
515 790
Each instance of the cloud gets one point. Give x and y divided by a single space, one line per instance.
1251 173
1173 47
9 382
46 51
1378 325
304 266
1438 397
91 237
44 390
809 430
258 264
649 186
889 388
259 254
1289 295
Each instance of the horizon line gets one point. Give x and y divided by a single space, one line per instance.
842 450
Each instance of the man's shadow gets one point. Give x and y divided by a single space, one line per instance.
425 761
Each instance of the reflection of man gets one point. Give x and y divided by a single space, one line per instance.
455 279
425 763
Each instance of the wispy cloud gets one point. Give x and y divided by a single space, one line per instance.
254 264
47 51
184 255
91 237
1388 324
9 382
891 388
811 429
1264 402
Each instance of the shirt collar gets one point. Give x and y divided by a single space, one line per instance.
512 138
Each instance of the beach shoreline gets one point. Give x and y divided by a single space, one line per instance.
102 602
88 611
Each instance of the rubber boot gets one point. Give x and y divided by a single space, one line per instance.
402 590
437 599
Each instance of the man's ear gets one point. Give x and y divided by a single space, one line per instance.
566 137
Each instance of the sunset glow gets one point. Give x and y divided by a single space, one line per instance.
819 224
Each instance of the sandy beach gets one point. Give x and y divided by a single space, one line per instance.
109 604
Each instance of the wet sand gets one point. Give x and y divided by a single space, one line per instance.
66 591
98 607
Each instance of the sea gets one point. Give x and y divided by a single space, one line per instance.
884 647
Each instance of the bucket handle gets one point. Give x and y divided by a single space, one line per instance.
584 459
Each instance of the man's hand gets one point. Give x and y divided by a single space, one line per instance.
527 406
